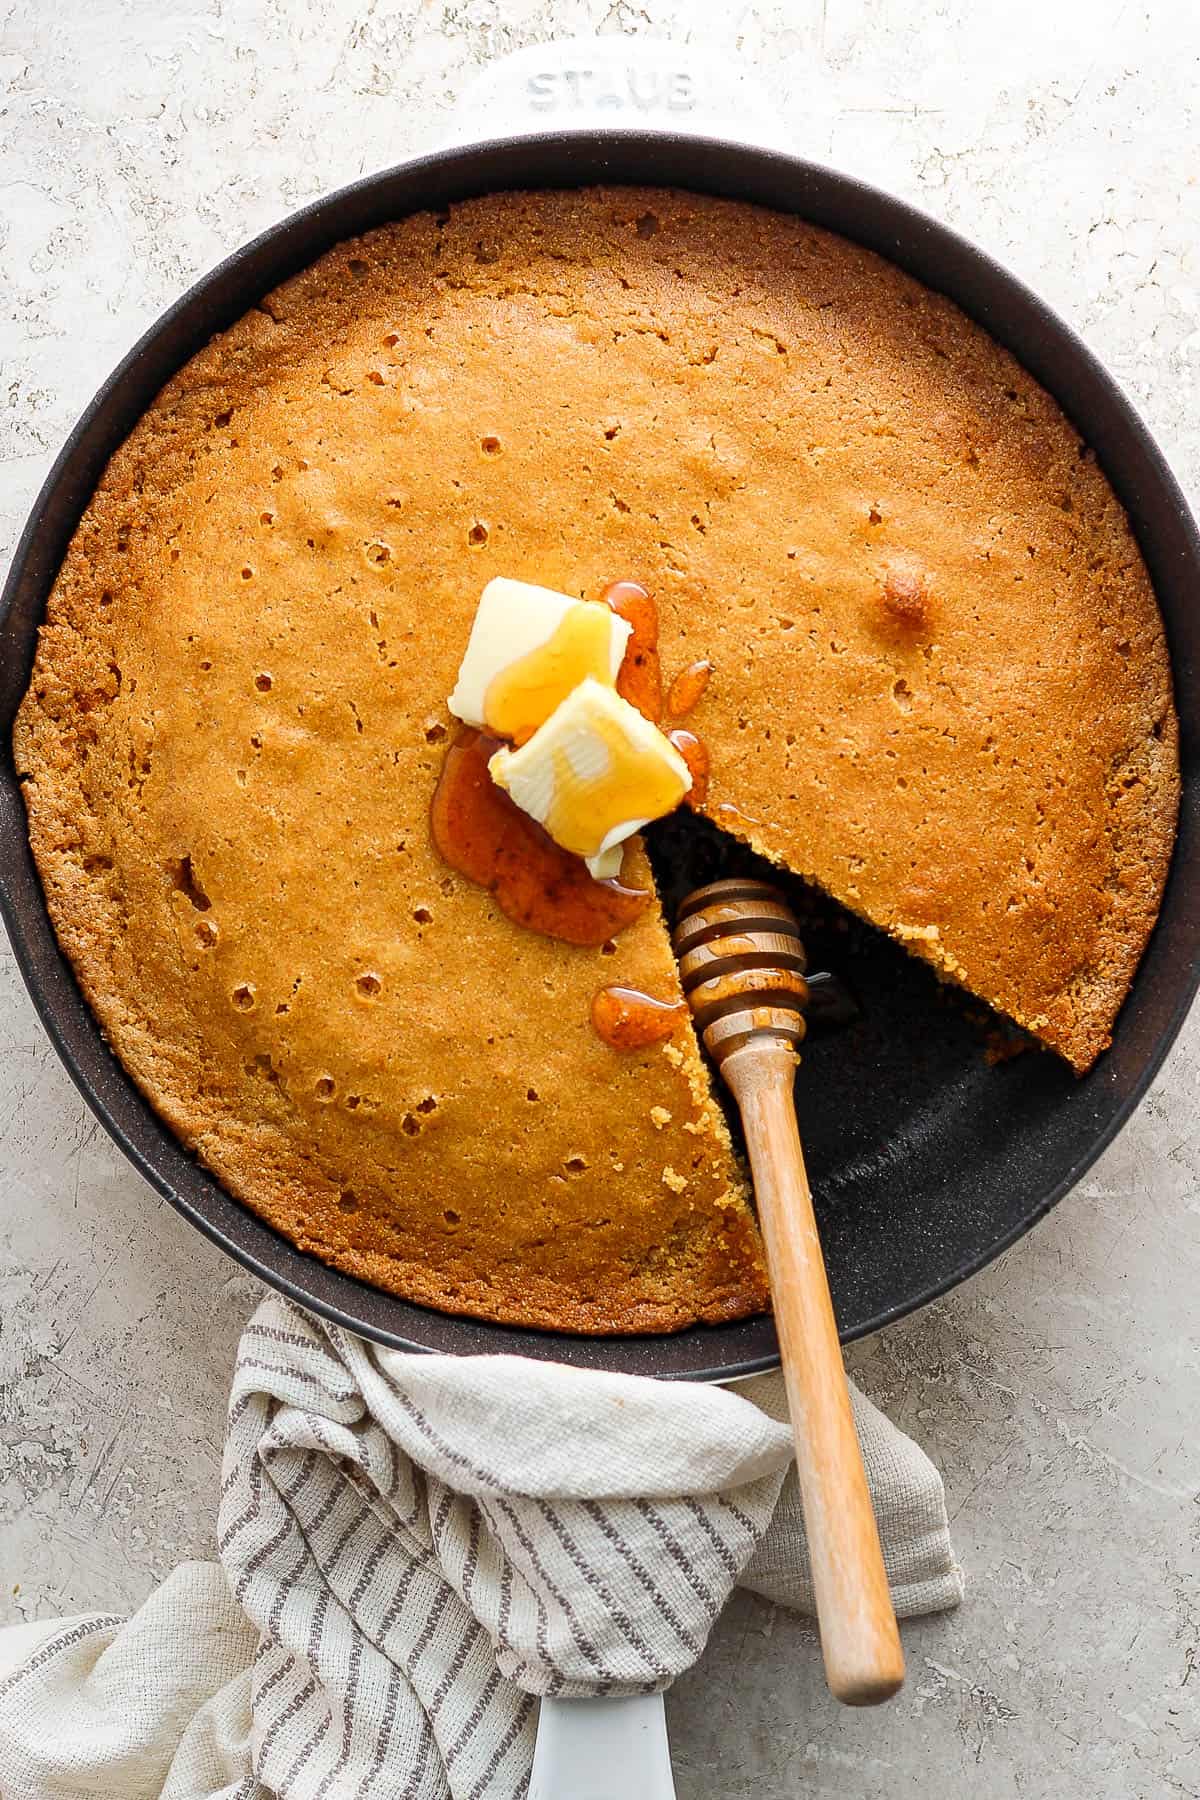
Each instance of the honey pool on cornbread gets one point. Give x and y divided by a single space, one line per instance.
939 688
529 654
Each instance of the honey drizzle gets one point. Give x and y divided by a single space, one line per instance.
694 752
583 813
688 686
639 679
735 818
627 1019
522 696
480 832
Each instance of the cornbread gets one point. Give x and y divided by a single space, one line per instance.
939 689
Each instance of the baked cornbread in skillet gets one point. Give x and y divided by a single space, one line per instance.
940 690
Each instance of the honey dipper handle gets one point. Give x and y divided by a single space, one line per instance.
864 1663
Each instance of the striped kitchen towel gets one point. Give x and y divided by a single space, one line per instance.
412 1550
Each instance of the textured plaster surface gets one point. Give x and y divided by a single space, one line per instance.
1060 1390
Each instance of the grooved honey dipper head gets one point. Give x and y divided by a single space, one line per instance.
742 966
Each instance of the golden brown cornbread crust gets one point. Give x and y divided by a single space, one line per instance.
941 691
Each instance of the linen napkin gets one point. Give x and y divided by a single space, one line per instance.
412 1549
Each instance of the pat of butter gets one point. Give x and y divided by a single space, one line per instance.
529 647
606 866
593 774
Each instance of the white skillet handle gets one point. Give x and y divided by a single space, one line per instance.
591 84
602 1750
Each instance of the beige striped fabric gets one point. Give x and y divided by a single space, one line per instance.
412 1549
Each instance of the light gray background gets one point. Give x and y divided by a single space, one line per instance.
140 140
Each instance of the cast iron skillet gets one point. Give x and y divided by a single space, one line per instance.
927 1162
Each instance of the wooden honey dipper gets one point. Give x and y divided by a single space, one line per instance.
742 966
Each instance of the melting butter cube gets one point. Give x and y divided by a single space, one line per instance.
593 774
528 648
606 866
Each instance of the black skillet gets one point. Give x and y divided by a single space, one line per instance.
926 1160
